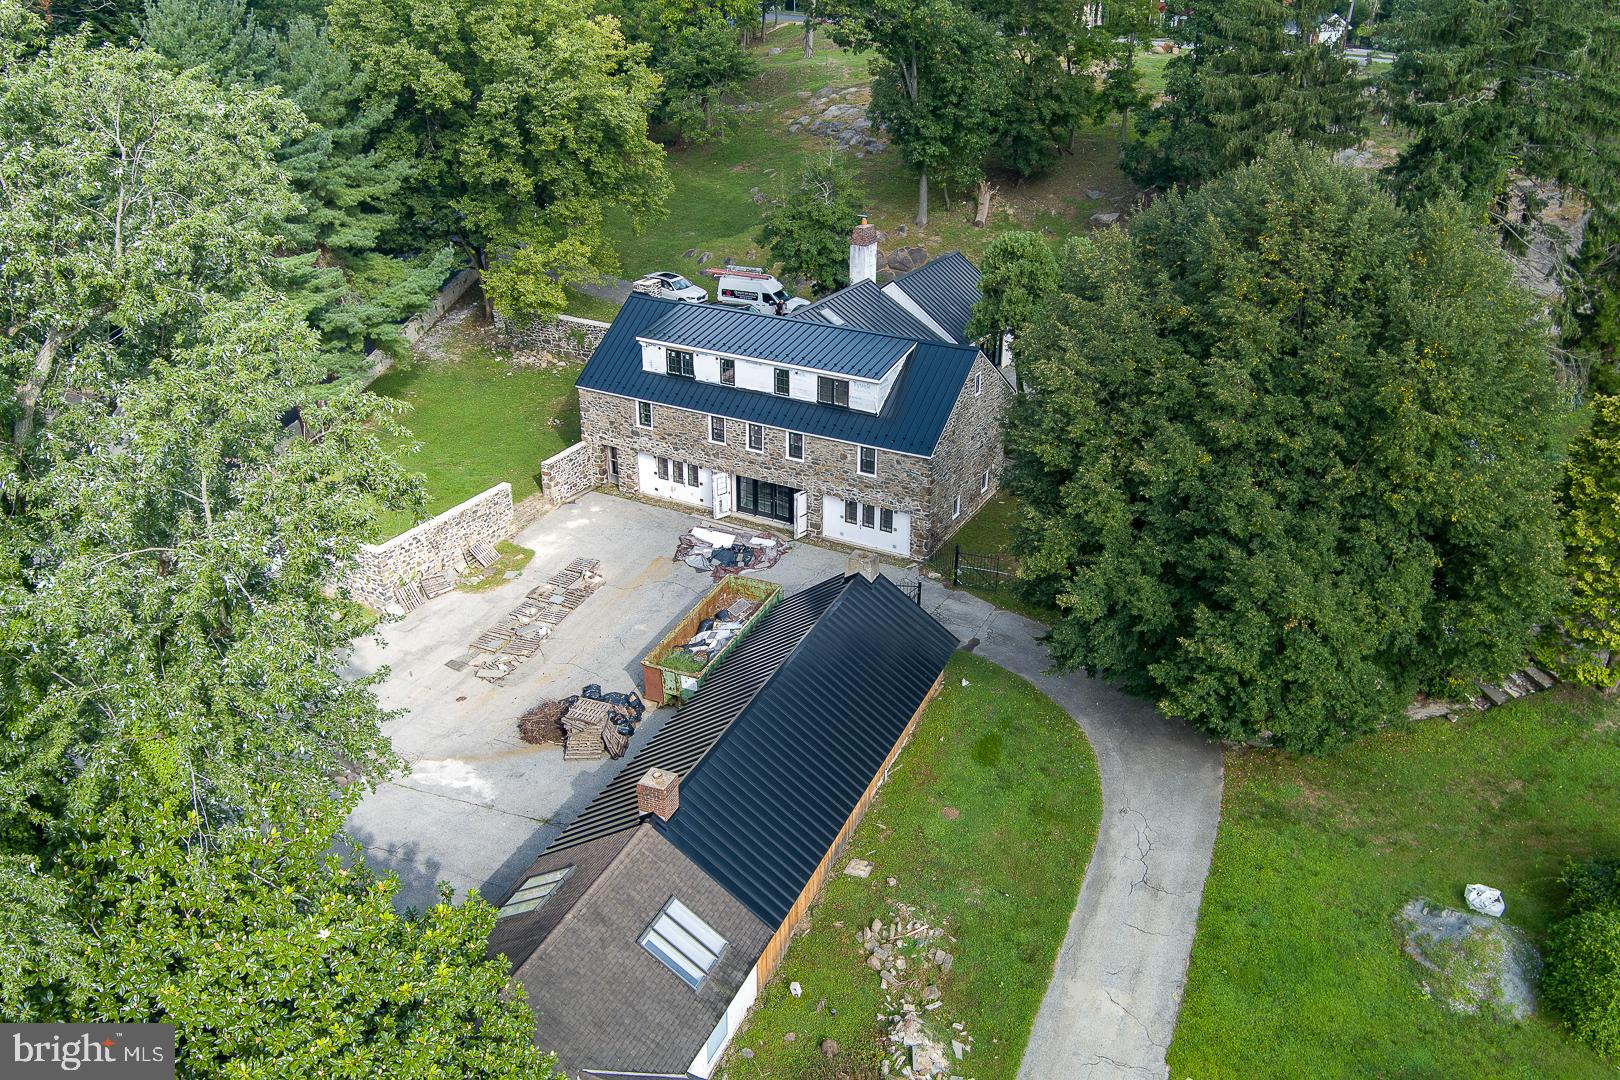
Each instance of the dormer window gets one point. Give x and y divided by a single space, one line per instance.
832 391
679 362
783 381
728 371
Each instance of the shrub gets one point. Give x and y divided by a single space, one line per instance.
1594 885
1582 976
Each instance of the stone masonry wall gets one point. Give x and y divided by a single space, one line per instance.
423 321
902 482
970 444
570 473
564 336
439 544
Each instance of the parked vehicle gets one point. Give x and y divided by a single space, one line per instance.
752 288
670 286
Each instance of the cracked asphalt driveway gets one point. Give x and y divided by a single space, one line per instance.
1111 1007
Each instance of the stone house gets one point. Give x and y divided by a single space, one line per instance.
866 418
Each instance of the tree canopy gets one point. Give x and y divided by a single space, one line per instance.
1250 71
1288 453
1586 646
525 121
806 229
1017 275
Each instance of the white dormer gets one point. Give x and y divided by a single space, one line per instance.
795 381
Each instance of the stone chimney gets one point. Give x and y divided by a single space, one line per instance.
658 792
863 253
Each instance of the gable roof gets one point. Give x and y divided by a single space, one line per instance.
764 805
911 421
774 752
863 306
946 288
771 337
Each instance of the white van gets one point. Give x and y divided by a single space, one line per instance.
752 288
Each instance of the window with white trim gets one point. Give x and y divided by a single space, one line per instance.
717 429
691 475
644 414
868 516
795 446
728 371
686 944
756 438
978 383
866 461
717 1037
784 382
956 509
886 520
534 892
984 481
678 362
663 468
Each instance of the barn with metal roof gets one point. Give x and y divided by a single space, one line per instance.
644 932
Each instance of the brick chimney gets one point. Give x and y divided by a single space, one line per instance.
863 253
658 792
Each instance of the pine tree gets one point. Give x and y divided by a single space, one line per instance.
1250 72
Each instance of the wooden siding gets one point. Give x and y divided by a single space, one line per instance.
777 946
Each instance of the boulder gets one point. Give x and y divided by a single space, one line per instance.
1102 221
1473 963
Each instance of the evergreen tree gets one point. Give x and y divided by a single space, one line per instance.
1288 454
807 229
1249 72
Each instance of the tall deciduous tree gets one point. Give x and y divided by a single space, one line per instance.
939 81
1250 72
807 228
526 121
1017 275
700 62
1288 454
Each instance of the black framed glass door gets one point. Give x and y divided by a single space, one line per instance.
764 499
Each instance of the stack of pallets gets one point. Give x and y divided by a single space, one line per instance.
585 728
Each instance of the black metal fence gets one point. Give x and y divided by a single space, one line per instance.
912 589
982 570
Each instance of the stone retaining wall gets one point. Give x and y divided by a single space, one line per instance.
439 543
570 473
548 340
423 321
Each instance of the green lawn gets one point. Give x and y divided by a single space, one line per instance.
1296 969
478 421
711 208
987 825
990 532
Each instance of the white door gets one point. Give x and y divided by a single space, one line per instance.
722 494
801 514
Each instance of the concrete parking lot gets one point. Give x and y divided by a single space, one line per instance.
478 804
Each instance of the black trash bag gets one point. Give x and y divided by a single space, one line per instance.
706 624
568 702
625 727
592 691
724 556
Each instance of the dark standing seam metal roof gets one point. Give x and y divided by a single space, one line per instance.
725 693
946 288
764 805
910 423
863 306
786 341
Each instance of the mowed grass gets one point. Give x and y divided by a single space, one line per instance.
476 421
712 209
1002 877
1297 968
990 532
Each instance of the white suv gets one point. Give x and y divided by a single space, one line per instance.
670 286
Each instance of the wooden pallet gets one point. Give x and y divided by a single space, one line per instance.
483 554
436 584
581 566
409 595
494 640
526 644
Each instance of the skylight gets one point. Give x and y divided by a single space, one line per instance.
534 892
686 944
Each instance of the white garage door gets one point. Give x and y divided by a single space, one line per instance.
867 525
668 478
